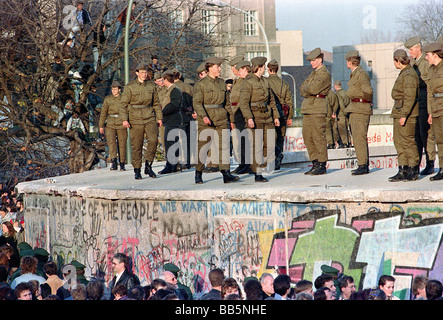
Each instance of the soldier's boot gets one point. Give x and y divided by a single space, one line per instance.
320 169
260 178
169 168
245 169
239 168
362 169
315 164
228 177
438 176
114 165
211 169
198 177
429 169
122 166
412 174
148 170
401 174
138 174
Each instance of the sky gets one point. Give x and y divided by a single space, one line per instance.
329 23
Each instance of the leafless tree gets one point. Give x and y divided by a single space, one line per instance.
34 142
423 19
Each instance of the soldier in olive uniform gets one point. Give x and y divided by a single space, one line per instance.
212 105
405 111
241 136
434 55
140 111
116 134
285 105
342 119
331 124
314 108
360 109
424 134
258 106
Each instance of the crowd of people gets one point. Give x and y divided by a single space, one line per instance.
38 277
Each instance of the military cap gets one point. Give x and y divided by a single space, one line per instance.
433 46
169 71
412 42
400 53
273 61
116 84
236 60
313 54
214 60
352 53
257 61
24 246
171 268
77 265
41 252
329 270
157 75
27 252
242 64
201 67
141 66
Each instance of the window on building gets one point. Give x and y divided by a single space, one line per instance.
250 24
177 17
208 21
252 54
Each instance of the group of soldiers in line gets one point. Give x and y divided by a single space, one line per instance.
417 111
257 110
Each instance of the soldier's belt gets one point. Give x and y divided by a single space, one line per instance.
360 100
319 96
113 115
259 104
234 104
438 95
209 106
139 106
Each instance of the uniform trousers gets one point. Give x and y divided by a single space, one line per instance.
359 129
116 140
404 142
263 140
314 136
137 134
216 140
437 127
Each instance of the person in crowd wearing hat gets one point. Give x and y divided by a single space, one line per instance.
434 55
332 137
285 105
241 136
181 287
116 134
140 111
211 102
80 272
404 112
173 117
187 93
258 106
359 109
122 275
424 135
314 108
342 119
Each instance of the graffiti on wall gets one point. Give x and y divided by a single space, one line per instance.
244 238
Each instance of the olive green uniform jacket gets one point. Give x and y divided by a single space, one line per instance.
317 83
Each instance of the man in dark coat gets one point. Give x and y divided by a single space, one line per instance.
122 274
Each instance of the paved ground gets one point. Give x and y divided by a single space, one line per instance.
288 184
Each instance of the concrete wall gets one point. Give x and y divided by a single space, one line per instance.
364 239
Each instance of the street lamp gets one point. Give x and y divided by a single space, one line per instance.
126 60
222 4
284 73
